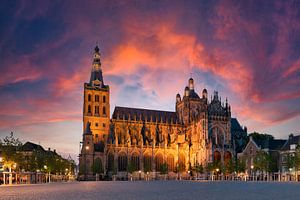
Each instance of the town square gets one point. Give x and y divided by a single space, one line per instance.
150 99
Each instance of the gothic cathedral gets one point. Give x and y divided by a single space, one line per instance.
145 142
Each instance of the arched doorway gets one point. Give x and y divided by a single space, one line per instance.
227 157
97 166
181 162
147 163
122 162
158 162
110 162
135 161
170 162
217 156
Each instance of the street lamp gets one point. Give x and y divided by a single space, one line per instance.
252 167
140 174
217 170
45 167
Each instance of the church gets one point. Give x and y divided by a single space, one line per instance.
146 142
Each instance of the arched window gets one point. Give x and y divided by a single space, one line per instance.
104 110
227 157
96 98
96 110
170 162
217 156
104 99
181 161
135 162
110 162
147 163
89 97
158 162
97 166
122 162
89 109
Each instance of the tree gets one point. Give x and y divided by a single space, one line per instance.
97 166
147 167
263 162
198 168
163 168
10 140
240 165
130 168
230 166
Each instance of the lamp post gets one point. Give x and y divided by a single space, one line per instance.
85 168
140 174
45 167
290 169
252 167
217 170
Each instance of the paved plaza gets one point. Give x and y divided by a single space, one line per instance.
154 190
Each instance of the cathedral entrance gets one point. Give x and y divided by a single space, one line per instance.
217 156
227 157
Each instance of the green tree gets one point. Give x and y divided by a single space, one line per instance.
147 167
163 168
97 166
198 168
230 166
10 140
240 165
130 168
263 162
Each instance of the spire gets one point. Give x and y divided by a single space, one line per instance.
96 75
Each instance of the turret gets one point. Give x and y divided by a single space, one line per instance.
191 84
204 94
186 91
178 98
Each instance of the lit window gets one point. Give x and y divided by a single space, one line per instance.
96 110
89 97
96 124
104 99
96 98
89 109
104 111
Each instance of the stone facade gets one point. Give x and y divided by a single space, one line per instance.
142 140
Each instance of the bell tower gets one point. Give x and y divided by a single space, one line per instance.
96 108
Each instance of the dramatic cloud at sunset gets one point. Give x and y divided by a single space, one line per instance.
247 50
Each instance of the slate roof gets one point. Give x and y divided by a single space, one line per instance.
193 94
270 144
290 141
96 75
144 114
29 146
235 126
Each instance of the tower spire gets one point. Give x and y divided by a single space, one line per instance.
96 74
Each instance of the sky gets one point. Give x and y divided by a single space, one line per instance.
247 50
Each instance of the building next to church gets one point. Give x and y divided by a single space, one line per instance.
142 140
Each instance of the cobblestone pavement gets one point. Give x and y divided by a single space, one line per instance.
154 190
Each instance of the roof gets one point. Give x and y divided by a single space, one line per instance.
270 144
29 146
292 140
144 114
235 125
193 94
